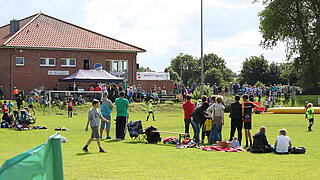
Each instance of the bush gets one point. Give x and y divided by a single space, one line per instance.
206 90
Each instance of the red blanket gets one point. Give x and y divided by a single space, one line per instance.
219 148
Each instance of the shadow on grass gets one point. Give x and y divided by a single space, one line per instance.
83 154
136 142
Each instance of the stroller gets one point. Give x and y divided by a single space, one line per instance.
136 131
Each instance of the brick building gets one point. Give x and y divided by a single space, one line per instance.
38 50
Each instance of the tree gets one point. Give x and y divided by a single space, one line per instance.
273 74
187 67
174 76
289 74
142 69
214 61
297 23
254 69
213 76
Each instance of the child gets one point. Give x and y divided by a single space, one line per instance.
207 128
310 115
266 103
94 117
283 142
70 105
30 104
247 110
150 110
10 106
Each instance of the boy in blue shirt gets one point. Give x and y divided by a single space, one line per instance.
106 109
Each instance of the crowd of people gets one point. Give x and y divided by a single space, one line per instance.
207 117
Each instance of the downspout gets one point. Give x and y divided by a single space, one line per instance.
11 71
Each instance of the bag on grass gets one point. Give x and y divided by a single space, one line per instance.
298 150
152 137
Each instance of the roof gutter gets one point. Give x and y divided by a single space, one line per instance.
70 49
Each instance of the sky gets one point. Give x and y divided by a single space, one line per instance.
164 28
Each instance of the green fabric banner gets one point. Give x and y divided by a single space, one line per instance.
41 162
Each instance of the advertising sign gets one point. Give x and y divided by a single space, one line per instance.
158 76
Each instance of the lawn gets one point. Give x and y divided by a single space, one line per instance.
127 160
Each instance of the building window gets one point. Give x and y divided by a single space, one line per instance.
66 62
47 62
117 65
19 61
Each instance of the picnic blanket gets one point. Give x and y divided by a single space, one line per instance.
220 148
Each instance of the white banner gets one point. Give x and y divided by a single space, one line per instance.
158 76
58 73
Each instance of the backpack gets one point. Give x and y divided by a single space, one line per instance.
134 128
152 137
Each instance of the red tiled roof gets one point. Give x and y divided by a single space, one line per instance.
43 31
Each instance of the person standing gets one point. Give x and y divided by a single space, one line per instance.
216 112
1 93
310 115
122 105
93 119
199 116
70 107
30 104
236 119
188 108
247 110
150 110
106 109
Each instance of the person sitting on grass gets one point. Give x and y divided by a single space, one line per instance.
150 110
283 143
260 142
94 117
310 116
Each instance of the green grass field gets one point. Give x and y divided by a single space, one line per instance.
127 160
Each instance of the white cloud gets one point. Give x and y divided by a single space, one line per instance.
153 25
237 48
168 27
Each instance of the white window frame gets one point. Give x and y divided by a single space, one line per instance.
47 62
121 65
22 61
68 62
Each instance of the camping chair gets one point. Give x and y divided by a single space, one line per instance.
136 131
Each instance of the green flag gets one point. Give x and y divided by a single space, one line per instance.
41 162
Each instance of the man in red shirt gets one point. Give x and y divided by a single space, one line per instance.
188 108
99 89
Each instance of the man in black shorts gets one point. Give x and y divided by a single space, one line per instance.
247 109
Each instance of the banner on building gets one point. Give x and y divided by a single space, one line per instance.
58 73
41 162
158 76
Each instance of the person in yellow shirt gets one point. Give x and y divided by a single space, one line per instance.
310 115
150 110
207 129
